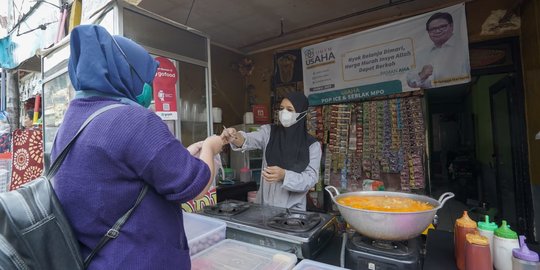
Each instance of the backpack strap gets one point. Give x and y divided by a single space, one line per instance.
113 232
60 159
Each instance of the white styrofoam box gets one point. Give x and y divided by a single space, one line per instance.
232 254
202 232
313 265
4 180
5 172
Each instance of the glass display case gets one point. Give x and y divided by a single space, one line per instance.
193 110
57 91
56 96
187 49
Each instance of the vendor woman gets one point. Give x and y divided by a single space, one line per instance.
291 157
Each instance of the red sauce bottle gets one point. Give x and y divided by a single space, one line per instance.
477 253
462 227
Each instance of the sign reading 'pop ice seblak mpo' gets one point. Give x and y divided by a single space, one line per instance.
425 51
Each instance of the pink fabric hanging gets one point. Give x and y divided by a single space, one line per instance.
27 161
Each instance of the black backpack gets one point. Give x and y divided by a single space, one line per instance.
34 232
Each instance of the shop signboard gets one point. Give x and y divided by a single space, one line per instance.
425 51
164 86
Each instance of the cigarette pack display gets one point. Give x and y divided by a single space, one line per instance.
380 139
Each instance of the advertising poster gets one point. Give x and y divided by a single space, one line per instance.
165 89
425 51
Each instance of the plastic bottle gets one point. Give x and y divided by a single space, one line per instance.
504 241
462 227
251 196
477 254
523 258
229 174
487 229
245 175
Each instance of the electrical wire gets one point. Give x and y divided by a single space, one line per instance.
190 9
41 26
16 9
54 5
22 5
26 15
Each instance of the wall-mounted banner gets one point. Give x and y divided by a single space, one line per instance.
425 51
165 89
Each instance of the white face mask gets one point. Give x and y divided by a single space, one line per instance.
288 119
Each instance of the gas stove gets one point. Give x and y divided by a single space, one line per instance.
300 232
365 253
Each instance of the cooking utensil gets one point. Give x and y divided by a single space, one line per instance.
395 226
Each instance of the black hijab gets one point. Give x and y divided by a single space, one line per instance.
288 148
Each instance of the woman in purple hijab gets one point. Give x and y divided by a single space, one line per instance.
121 151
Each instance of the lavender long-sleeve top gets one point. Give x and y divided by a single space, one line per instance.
119 152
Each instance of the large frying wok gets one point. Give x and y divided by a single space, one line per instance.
393 226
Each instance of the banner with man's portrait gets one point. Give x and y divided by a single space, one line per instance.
425 51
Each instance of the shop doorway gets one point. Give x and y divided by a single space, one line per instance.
453 142
510 163
478 146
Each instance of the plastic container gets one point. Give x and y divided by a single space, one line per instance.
313 265
504 241
5 171
202 232
216 114
232 254
477 254
462 227
487 229
229 174
248 118
4 180
523 258
256 176
245 175
252 196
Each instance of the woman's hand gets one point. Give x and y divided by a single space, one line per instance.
214 143
195 148
273 174
228 135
